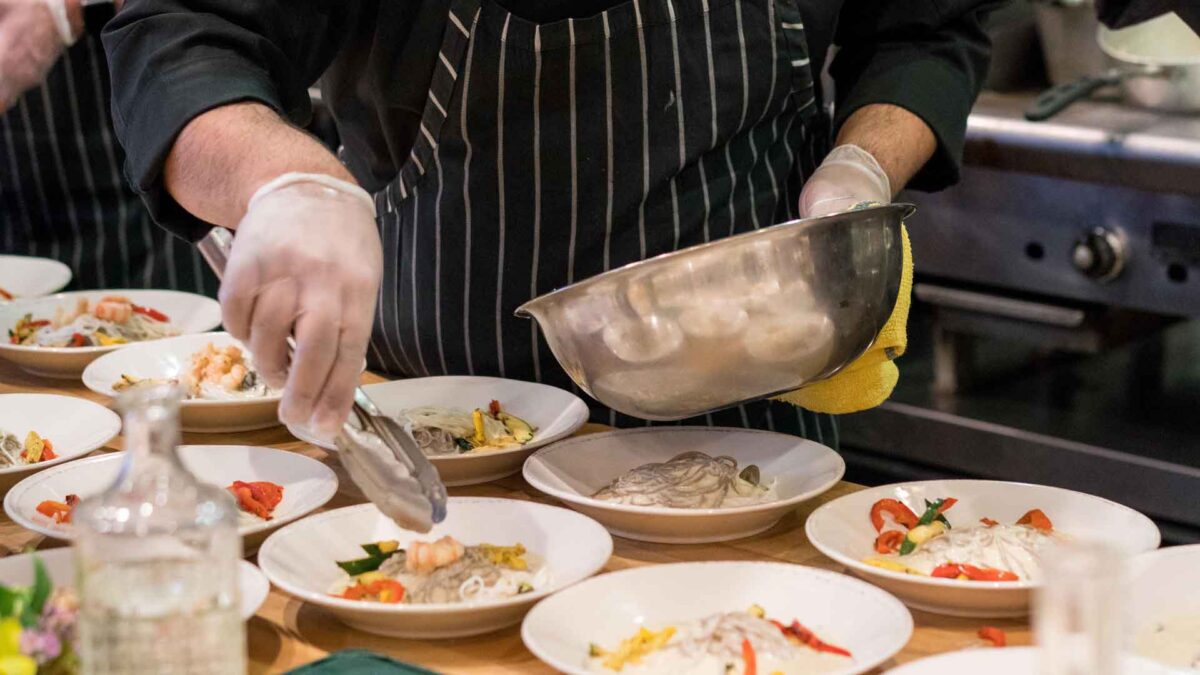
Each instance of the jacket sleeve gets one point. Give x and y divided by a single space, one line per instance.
172 60
929 57
1122 13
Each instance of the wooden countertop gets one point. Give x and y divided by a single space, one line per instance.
286 632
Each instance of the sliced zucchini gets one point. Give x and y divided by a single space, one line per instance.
522 431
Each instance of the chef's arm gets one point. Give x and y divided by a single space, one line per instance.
226 154
182 65
899 141
906 71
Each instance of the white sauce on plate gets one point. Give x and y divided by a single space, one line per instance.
712 645
1174 642
1014 548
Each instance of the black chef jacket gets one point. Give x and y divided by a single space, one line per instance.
174 59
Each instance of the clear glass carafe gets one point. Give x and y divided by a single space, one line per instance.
157 557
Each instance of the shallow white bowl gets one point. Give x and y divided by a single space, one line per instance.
842 530
189 313
1006 661
556 414
1164 584
75 427
575 469
871 624
25 276
17 570
307 485
301 559
170 359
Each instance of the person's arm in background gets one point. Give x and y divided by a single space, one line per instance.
205 95
33 34
906 74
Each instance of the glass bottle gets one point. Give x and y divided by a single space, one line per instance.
1079 610
157 558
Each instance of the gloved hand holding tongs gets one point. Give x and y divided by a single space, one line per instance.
379 454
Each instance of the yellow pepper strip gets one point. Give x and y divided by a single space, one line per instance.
33 447
631 650
480 438
891 565
512 557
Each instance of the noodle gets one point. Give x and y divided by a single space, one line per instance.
691 480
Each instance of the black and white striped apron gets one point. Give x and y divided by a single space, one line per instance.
62 194
549 153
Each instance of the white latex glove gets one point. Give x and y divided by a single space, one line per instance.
32 36
306 261
847 177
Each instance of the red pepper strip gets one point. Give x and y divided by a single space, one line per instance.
889 541
901 513
387 591
152 313
989 522
946 504
988 574
47 450
266 493
955 570
38 324
259 498
78 340
749 657
806 637
993 635
56 511
947 571
494 408
1037 520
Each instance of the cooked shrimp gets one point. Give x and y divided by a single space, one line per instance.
218 365
232 381
112 308
424 557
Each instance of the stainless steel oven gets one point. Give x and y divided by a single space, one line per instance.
1054 336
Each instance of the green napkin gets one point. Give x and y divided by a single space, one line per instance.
359 662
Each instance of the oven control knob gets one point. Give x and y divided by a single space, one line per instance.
1099 254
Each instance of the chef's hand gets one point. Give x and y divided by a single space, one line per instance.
31 40
847 177
306 261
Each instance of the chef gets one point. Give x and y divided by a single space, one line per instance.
62 193
497 149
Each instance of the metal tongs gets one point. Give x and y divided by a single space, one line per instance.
382 458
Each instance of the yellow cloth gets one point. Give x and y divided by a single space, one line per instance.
869 380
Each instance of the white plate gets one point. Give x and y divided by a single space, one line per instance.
307 485
1164 584
842 530
555 413
17 570
846 612
576 468
169 359
28 277
75 427
301 559
189 313
1006 661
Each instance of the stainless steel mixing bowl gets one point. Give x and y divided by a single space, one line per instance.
731 321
